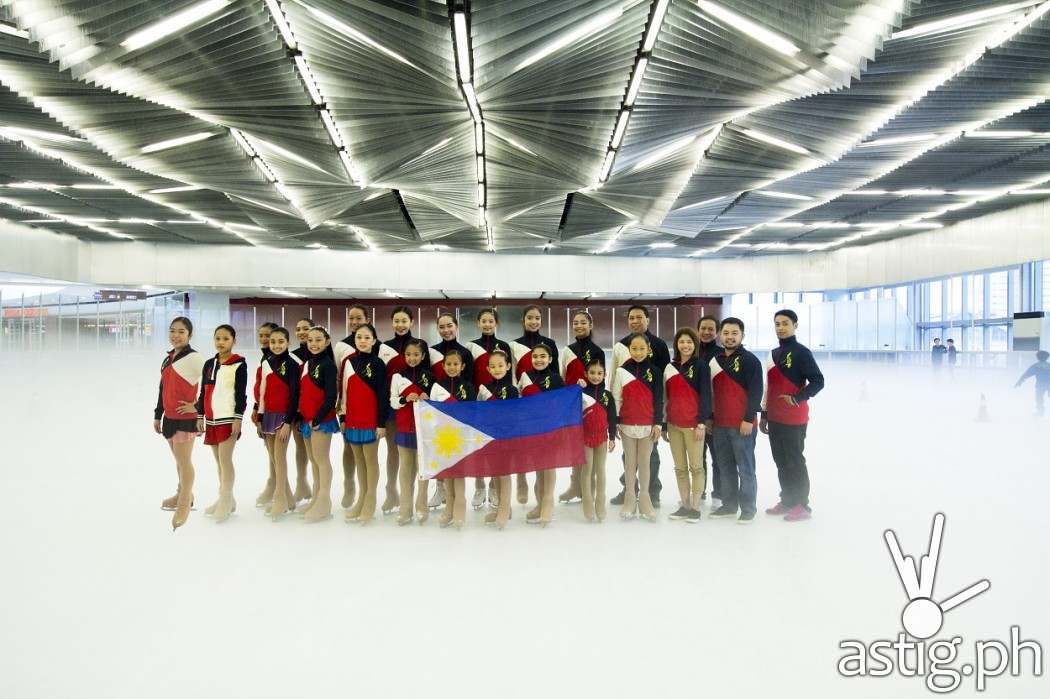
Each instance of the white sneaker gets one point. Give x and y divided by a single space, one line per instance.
478 501
493 497
438 498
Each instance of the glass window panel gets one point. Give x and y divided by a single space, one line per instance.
935 296
997 294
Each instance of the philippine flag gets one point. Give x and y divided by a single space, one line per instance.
500 437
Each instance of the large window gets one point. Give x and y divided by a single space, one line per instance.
975 296
998 294
935 295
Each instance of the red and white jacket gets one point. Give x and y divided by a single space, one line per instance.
364 393
317 389
223 390
736 380
437 356
539 380
521 351
503 389
257 386
638 391
280 385
480 349
403 384
576 357
180 374
688 391
599 416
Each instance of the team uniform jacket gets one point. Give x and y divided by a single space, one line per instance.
639 393
303 353
521 350
708 351
480 349
341 349
737 382
599 416
688 391
791 370
438 352
658 354
280 385
223 396
503 389
395 363
576 357
365 391
317 389
458 389
411 380
539 380
180 374
258 381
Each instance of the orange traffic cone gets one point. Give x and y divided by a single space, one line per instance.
982 410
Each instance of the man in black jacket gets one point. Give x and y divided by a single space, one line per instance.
707 330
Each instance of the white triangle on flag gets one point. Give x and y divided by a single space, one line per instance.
442 440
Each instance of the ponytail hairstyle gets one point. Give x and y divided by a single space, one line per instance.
403 309
186 323
531 307
328 351
375 336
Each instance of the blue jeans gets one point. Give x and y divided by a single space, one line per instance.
735 461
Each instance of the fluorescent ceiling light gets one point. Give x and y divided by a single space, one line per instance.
308 79
610 156
868 192
479 138
284 292
174 142
34 185
755 31
636 81
774 141
285 153
96 186
13 31
481 169
664 152
242 142
459 23
481 194
282 23
472 101
920 192
962 20
595 24
330 21
1003 133
621 127
782 195
654 26
784 224
145 221
171 190
172 24
893 140
333 131
705 202
41 134
1031 191
661 245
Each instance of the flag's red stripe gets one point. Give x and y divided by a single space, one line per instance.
502 457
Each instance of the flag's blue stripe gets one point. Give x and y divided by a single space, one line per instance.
520 417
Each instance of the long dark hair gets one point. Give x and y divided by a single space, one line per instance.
691 334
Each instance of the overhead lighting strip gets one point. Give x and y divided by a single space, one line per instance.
280 19
460 19
657 13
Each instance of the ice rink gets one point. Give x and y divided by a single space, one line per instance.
101 598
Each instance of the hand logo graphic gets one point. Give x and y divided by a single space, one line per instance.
922 617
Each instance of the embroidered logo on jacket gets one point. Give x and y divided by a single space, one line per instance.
736 365
503 393
787 360
282 370
462 393
317 372
547 382
689 374
649 375
368 370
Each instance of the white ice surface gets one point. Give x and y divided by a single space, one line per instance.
98 597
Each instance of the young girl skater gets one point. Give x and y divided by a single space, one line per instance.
279 398
599 439
220 407
175 416
365 396
302 459
458 389
521 351
480 351
411 384
356 316
638 390
687 385
543 376
574 361
264 344
401 319
317 396
501 387
448 329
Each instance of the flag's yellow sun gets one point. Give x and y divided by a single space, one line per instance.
448 441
